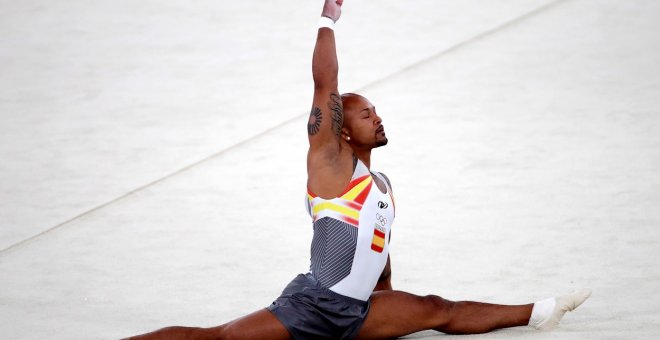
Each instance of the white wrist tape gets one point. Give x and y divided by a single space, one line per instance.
327 22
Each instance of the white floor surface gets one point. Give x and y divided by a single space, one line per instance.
152 157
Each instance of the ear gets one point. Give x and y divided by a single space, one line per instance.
345 134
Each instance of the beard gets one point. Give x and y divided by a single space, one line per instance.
381 142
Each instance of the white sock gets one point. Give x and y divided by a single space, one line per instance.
541 311
547 313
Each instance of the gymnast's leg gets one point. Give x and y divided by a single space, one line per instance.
260 325
395 313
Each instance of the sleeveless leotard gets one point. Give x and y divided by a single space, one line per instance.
351 235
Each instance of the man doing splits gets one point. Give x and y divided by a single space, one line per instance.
347 292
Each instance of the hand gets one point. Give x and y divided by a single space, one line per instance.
332 9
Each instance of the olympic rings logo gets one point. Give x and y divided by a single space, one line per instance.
382 221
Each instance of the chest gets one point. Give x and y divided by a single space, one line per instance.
378 211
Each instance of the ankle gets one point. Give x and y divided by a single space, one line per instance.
541 312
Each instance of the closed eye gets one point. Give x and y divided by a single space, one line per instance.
368 111
365 113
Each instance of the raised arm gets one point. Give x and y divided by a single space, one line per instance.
326 116
330 160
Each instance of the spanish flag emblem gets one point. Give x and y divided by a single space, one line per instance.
378 242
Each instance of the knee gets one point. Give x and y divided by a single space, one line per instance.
439 303
439 310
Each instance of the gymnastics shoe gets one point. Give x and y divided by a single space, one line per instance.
547 313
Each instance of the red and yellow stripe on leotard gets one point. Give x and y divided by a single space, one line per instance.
347 206
378 241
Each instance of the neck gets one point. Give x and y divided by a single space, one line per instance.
364 156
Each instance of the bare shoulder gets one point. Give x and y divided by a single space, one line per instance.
386 179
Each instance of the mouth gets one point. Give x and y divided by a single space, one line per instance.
381 129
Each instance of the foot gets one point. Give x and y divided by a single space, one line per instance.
547 313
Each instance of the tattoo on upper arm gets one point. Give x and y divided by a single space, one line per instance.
335 105
314 122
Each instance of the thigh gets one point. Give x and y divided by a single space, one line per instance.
395 313
261 324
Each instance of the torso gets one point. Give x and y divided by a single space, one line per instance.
351 234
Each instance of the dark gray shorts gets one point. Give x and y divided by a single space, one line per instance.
310 311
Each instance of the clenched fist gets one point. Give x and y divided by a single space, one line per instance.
332 9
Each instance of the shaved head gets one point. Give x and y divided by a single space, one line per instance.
352 101
361 123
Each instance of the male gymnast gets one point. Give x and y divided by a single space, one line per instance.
347 293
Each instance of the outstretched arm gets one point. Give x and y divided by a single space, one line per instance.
326 117
329 159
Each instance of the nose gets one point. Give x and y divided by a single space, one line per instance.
378 120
